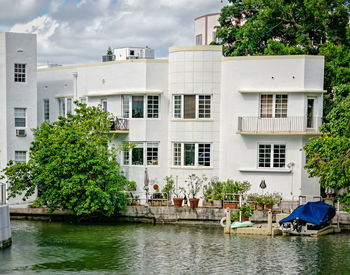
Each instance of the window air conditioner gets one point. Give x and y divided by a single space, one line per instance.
21 133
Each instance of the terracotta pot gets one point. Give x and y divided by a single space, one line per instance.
178 202
260 206
244 219
215 203
268 207
252 205
194 203
231 205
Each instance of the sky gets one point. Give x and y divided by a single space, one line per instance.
80 31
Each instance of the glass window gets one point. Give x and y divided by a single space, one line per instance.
69 105
204 106
152 106
199 39
137 106
189 106
281 106
152 153
20 72
46 109
126 157
204 154
20 117
266 102
137 154
126 100
189 154
61 107
177 106
21 156
264 155
177 154
104 104
83 100
279 155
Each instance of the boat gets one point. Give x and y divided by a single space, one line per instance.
310 219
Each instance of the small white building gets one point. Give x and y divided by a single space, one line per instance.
204 28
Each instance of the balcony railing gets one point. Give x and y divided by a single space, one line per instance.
2 194
120 124
107 58
293 124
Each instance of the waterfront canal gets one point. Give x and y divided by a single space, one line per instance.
57 248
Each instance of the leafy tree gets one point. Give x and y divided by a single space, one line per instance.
329 155
73 165
109 51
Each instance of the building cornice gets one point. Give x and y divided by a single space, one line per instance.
123 92
280 91
196 48
261 57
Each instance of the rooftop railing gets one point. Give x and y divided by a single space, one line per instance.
280 125
107 58
120 124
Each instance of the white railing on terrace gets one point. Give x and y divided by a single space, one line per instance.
2 194
287 124
119 124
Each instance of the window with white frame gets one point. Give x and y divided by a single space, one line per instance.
20 72
144 153
279 102
83 100
21 156
64 106
104 104
20 117
69 105
272 155
192 106
191 154
152 106
199 39
46 109
138 106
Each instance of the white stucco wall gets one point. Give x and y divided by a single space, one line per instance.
205 26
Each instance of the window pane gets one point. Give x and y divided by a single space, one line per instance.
46 109
152 153
126 157
177 106
137 106
177 154
281 106
204 106
20 73
62 107
126 100
137 154
199 39
152 106
69 105
279 155
83 100
266 106
204 154
264 155
104 105
20 117
20 156
189 155
190 106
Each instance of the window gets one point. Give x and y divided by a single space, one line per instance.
139 105
268 101
46 109
199 39
152 153
126 157
21 156
132 52
83 100
69 105
214 37
137 154
191 154
277 159
20 117
193 106
64 106
104 104
20 72
152 106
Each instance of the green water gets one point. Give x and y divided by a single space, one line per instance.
60 248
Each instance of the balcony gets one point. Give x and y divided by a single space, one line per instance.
119 125
279 126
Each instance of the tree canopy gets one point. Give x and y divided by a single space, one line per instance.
73 165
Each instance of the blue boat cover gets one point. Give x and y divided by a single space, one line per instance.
312 212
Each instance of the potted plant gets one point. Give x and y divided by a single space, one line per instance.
194 184
269 201
252 200
260 202
213 194
232 191
169 188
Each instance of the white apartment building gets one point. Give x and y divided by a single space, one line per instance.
244 118
204 28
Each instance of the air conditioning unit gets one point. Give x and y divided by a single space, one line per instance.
21 133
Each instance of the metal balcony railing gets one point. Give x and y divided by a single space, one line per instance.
120 124
2 194
107 58
280 125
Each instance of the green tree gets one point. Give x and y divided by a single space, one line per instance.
73 165
329 155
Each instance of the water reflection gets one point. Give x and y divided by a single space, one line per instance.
56 248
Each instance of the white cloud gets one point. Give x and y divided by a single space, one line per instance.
19 10
81 32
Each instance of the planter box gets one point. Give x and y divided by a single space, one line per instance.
215 203
231 205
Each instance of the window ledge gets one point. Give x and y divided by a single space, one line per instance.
192 167
191 120
265 170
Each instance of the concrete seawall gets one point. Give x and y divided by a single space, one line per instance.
5 227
